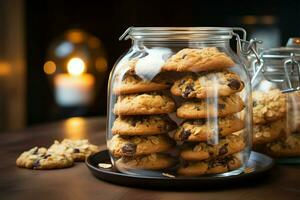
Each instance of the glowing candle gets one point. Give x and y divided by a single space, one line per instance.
76 87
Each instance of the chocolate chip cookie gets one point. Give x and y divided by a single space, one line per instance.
41 158
202 130
154 161
78 149
215 166
285 147
196 60
144 104
132 83
131 146
264 133
202 151
268 106
203 85
143 125
203 108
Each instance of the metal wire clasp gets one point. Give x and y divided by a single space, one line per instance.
295 69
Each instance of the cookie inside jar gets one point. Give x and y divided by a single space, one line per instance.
180 106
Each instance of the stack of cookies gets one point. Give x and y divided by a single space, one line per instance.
269 111
276 123
140 130
209 103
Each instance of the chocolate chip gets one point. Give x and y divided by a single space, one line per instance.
254 103
223 150
185 134
184 55
197 108
234 84
221 105
76 150
129 149
188 90
46 156
36 164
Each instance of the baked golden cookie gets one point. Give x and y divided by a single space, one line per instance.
197 60
41 158
268 106
202 151
203 85
143 125
154 161
285 147
265 133
215 166
138 145
220 107
134 84
144 104
200 129
78 149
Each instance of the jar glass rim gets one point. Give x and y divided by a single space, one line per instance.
178 33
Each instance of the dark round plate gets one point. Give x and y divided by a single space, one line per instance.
258 164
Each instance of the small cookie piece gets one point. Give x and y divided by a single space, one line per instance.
144 104
215 166
138 145
196 60
223 83
202 151
201 130
154 161
41 158
268 106
134 84
205 108
78 149
264 133
143 125
284 147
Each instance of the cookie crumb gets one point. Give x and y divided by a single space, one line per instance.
168 175
248 170
104 165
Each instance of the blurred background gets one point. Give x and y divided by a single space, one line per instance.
55 56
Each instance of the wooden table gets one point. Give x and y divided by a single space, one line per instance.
77 182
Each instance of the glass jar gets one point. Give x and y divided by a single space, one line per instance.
179 102
276 102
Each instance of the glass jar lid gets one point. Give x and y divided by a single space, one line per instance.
178 33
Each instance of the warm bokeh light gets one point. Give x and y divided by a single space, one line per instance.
49 67
76 66
5 69
75 36
75 128
101 64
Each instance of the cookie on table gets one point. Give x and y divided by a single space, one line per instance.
41 158
202 151
268 106
78 149
143 125
220 107
201 130
215 166
265 133
154 161
197 60
144 104
284 147
132 83
203 85
138 145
